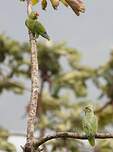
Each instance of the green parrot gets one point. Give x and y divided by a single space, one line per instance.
35 26
90 124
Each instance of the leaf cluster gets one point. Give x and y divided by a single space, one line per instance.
4 144
77 6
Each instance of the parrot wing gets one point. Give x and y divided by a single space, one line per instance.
95 124
90 128
40 30
91 140
30 24
90 125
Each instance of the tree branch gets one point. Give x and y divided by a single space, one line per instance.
34 88
103 107
18 84
5 80
64 135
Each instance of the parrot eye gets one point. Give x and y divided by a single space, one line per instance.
87 109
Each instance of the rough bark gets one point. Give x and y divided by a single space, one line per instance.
35 83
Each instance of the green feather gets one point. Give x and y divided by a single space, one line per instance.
35 26
90 124
91 140
40 30
30 24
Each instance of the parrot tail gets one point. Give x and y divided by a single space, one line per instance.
45 35
91 140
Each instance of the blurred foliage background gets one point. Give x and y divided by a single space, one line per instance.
63 91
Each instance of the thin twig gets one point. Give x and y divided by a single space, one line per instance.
103 107
5 79
18 84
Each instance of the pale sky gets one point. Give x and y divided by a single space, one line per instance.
91 33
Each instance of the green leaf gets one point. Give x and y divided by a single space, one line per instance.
55 3
64 2
44 4
34 2
77 6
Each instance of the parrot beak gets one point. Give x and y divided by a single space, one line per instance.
84 110
37 14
